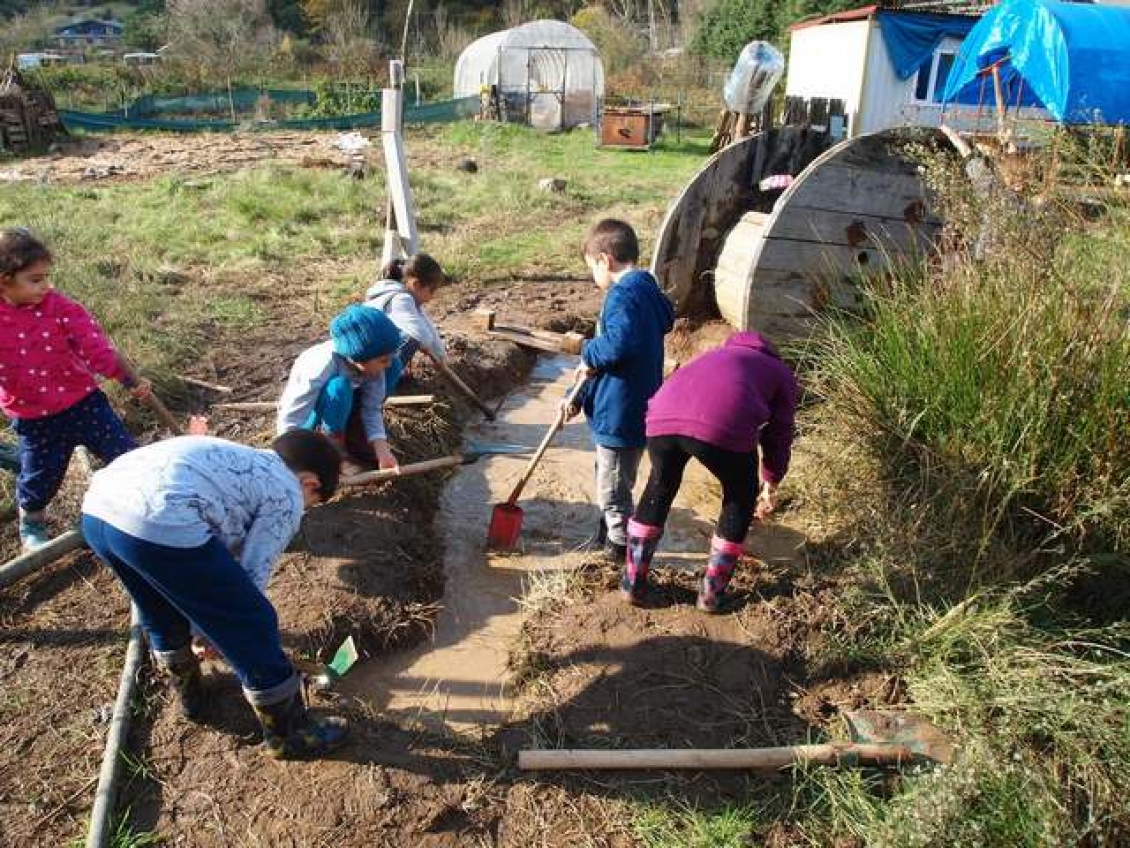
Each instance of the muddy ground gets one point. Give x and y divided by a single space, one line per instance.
585 670
144 156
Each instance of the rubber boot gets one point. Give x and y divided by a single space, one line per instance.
33 531
183 671
724 557
643 539
290 732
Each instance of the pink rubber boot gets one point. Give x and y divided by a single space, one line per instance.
643 539
724 558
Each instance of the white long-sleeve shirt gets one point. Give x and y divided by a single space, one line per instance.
181 492
315 367
395 301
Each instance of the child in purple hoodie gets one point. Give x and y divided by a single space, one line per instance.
718 408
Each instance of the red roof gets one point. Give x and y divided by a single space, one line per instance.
860 14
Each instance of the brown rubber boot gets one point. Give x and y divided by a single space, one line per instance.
182 669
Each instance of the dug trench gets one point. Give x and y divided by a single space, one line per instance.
530 649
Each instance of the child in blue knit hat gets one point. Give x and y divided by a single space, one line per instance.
338 386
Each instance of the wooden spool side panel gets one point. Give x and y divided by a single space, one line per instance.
855 211
700 215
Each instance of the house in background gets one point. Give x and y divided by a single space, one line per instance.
887 67
89 33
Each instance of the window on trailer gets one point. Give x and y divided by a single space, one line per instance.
931 81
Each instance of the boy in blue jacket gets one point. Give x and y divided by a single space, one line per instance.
624 364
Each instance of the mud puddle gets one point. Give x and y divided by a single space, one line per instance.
457 679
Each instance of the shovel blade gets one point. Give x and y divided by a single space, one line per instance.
505 527
474 450
900 728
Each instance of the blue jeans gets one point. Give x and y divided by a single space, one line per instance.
46 445
400 363
176 589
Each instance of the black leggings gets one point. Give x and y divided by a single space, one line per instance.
737 472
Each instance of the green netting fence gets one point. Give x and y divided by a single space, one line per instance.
174 114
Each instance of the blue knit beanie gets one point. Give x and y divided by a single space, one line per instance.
362 333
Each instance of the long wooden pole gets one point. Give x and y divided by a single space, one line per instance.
742 758
102 814
25 564
268 405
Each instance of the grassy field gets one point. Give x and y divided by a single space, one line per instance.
975 424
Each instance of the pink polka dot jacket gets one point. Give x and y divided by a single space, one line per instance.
50 356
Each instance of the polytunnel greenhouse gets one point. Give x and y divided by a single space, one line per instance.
544 73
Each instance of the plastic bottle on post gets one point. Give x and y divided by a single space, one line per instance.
759 68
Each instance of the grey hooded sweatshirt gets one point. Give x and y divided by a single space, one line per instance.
395 301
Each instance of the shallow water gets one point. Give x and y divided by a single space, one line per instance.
457 679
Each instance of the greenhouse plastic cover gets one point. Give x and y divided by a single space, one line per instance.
759 68
538 58
1075 58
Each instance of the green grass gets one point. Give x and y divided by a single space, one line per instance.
674 825
986 398
1006 377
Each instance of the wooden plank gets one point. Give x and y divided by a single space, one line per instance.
526 340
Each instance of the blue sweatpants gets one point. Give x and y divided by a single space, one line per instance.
46 445
176 589
335 402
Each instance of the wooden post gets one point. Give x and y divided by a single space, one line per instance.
484 319
403 237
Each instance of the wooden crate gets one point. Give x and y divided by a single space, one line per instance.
633 127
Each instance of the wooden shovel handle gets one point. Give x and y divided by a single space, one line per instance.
456 381
742 758
553 430
404 471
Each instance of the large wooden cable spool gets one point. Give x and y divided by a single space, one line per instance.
855 210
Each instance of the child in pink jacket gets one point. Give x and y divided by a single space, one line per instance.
51 352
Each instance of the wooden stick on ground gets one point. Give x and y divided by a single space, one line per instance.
212 387
741 758
269 405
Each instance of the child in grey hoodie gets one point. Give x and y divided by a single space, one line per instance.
407 285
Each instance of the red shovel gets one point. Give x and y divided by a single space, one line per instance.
506 519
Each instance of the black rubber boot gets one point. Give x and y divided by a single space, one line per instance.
290 732
185 679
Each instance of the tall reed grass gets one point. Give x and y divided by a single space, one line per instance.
1003 371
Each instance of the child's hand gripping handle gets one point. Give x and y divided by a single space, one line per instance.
553 430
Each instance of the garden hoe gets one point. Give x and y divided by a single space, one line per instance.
878 737
473 453
506 519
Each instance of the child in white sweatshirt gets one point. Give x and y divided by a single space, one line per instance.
407 286
193 527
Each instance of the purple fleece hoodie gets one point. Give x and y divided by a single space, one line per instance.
734 397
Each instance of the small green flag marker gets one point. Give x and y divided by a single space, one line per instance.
344 659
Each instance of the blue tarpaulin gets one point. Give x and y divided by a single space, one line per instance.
1073 57
912 38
